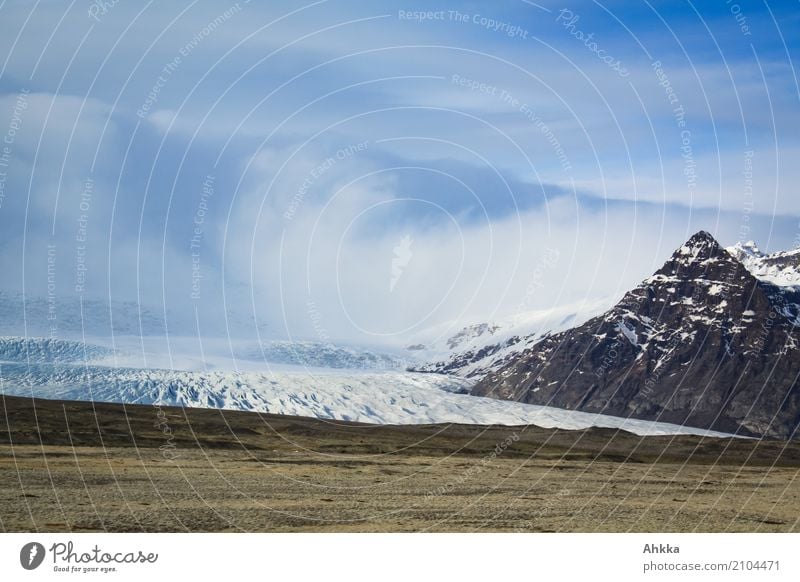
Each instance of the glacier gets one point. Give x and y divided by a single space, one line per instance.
70 370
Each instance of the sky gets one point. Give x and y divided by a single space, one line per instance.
365 172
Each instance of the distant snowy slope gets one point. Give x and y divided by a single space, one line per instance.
22 349
323 355
382 398
781 268
75 317
478 349
182 353
70 316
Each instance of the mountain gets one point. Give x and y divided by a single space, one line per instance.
73 317
190 355
703 342
690 346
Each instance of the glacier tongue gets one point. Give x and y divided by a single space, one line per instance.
379 398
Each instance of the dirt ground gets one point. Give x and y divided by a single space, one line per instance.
108 467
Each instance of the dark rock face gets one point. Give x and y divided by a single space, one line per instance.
702 342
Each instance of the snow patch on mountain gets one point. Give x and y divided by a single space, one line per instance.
195 354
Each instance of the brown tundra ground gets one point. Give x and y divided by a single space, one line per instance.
68 466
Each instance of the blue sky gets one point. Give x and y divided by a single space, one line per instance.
485 132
